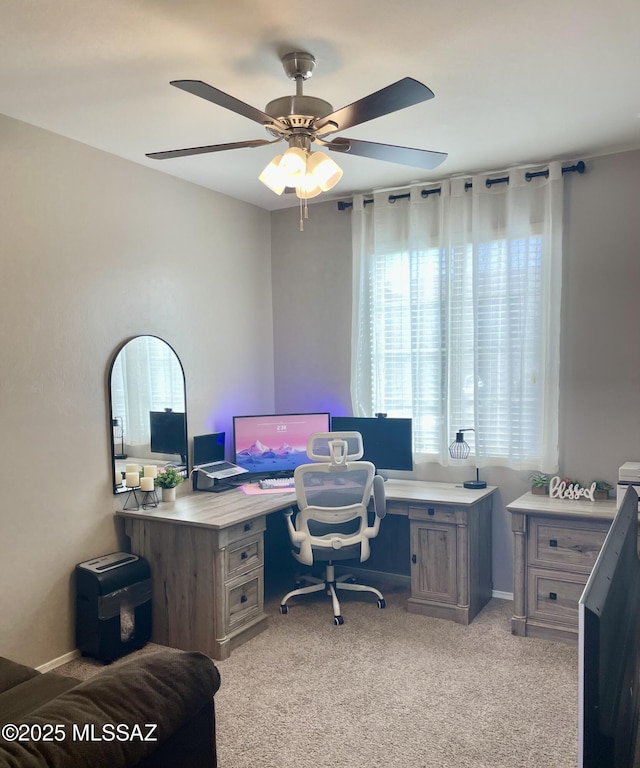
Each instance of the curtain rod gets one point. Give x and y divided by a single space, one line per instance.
579 167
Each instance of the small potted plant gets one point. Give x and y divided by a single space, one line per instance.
601 491
168 479
539 483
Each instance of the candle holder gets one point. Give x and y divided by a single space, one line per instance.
149 499
127 501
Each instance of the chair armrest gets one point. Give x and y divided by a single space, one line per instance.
379 497
296 536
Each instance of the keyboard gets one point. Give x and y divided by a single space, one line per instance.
270 483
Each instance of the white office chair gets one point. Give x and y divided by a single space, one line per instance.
332 520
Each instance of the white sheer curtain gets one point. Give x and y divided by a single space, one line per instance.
456 315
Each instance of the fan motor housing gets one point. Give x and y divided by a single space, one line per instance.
298 111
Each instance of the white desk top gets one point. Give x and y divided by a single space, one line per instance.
211 510
545 505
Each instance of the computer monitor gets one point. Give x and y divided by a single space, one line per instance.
168 433
208 448
274 445
388 442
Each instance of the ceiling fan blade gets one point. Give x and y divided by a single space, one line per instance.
404 93
222 99
210 148
418 158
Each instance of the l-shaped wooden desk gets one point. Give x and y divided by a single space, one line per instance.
206 554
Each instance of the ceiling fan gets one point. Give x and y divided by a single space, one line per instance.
305 120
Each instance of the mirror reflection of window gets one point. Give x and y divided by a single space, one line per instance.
146 379
146 376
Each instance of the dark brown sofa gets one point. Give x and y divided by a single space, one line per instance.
153 710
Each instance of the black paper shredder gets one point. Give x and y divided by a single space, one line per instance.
113 605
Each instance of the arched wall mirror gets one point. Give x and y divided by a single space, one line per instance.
147 401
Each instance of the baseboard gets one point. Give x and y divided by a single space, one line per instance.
54 663
502 595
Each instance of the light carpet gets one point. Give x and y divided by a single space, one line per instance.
390 689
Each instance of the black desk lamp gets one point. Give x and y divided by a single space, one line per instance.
459 449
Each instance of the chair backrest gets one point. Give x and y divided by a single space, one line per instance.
333 496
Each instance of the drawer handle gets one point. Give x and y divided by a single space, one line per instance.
244 556
243 599
414 559
431 511
247 526
553 596
553 542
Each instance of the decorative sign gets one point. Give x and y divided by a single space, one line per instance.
558 489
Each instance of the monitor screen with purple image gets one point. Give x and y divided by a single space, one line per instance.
275 444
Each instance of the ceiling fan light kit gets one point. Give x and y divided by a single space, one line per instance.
302 120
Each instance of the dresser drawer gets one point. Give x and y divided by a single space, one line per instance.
244 599
243 556
438 513
562 543
553 596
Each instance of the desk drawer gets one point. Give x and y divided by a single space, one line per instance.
437 513
243 556
553 596
244 598
562 543
242 530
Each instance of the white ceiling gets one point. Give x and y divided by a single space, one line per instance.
515 82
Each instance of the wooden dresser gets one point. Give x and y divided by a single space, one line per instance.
556 543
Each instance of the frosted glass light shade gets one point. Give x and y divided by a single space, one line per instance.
273 176
306 187
325 171
294 162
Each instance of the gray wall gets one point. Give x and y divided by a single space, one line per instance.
600 371
94 250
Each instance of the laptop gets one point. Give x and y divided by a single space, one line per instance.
218 470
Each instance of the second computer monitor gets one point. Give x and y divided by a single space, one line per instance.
388 442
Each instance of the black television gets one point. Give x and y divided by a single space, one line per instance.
609 647
168 433
273 445
388 442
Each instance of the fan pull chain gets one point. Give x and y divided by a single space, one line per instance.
301 222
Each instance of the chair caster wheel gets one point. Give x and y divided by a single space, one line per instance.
284 609
382 603
338 620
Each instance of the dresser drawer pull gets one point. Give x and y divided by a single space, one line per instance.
553 596
243 599
247 526
431 511
553 542
244 556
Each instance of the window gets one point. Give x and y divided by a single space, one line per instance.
460 329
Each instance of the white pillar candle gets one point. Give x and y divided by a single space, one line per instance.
146 483
151 471
132 479
132 468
